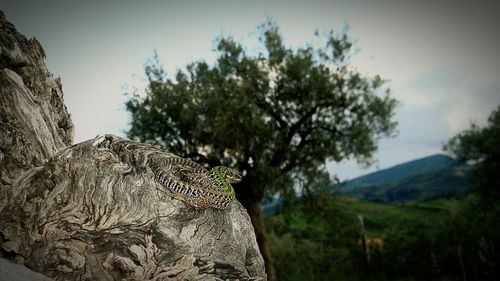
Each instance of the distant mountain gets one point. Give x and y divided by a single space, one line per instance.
432 177
402 171
436 176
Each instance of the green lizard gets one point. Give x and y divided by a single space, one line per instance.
194 184
187 180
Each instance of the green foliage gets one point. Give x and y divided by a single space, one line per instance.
275 116
315 241
321 240
481 145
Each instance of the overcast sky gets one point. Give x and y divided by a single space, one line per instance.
440 57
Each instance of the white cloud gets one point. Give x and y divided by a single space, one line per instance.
473 103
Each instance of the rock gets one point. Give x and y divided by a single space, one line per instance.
94 211
34 122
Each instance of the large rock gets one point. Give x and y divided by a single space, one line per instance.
94 211
34 122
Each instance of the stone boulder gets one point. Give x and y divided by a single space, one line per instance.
94 211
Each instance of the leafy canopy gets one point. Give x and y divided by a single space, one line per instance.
482 146
277 115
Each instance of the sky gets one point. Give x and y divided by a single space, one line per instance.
440 57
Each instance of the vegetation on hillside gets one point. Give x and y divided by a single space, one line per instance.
428 178
449 182
412 168
321 239
325 237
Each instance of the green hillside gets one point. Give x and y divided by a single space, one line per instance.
404 170
428 178
320 239
378 217
432 177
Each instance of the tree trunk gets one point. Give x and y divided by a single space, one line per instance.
261 234
250 194
97 210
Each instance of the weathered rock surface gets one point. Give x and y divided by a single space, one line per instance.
94 211
34 122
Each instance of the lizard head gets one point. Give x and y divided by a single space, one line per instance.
229 174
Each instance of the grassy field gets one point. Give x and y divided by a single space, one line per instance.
379 217
321 240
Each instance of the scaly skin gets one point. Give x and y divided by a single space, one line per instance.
222 177
193 184
187 180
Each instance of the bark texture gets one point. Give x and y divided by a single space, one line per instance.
94 211
34 122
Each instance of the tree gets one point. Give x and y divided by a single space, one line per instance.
481 146
276 116
478 220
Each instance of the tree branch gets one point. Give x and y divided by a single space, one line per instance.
261 103
280 153
296 127
294 160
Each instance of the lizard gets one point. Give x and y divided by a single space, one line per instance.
186 179
195 185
